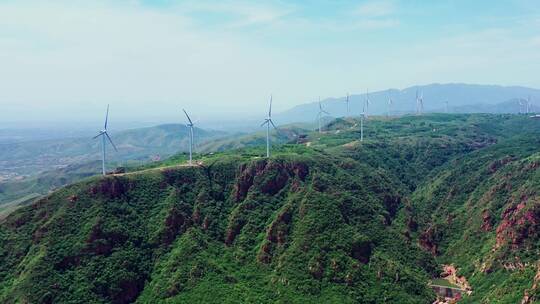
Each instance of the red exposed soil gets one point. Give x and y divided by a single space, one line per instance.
277 175
487 221
175 223
518 224
428 241
496 165
276 235
112 187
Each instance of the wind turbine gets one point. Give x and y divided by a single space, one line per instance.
103 133
390 103
366 106
521 104
190 125
268 121
347 104
419 102
362 117
529 104
319 116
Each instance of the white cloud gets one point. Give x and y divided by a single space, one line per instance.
65 58
57 57
375 9
240 13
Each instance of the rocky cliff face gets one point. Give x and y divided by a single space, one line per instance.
489 227
291 228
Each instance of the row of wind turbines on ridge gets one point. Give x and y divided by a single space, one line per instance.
269 122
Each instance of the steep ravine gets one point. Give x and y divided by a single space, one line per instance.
482 214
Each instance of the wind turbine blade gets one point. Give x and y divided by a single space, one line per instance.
270 109
265 122
110 140
325 112
100 133
189 119
106 118
273 125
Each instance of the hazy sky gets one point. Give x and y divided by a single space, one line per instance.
68 59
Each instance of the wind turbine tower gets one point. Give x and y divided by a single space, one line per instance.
268 121
446 106
190 125
362 117
104 137
419 102
529 104
390 103
319 116
348 109
366 106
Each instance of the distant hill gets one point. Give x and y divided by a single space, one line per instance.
461 98
510 106
30 158
20 192
285 133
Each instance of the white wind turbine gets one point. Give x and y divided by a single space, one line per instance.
103 133
419 102
390 103
319 115
190 125
362 117
347 101
366 106
521 104
268 121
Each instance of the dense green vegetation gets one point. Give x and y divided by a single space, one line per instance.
331 219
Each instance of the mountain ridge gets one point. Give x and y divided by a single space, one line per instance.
337 220
435 95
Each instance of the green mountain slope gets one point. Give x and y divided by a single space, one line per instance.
17 193
333 220
482 213
234 229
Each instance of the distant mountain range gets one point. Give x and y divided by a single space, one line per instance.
461 98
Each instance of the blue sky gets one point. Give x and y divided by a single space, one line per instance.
70 58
